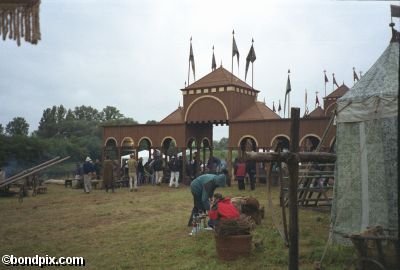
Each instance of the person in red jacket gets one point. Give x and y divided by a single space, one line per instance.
221 208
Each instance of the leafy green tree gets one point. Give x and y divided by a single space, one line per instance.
151 122
110 113
48 123
86 113
121 121
70 115
18 126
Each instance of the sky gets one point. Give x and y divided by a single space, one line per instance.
133 55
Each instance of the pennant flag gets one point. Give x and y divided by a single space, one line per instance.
355 76
326 78
279 106
334 80
191 59
273 107
288 89
306 105
213 63
316 100
395 11
251 57
235 50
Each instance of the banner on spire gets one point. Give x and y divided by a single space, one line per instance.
251 57
334 80
235 50
355 76
213 63
279 107
191 59
326 78
395 11
288 89
273 106
316 100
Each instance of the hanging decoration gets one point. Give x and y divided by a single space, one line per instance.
20 19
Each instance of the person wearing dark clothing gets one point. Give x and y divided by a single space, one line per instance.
251 171
202 189
140 171
175 166
213 165
97 168
159 165
108 178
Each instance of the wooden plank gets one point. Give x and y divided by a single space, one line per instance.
293 163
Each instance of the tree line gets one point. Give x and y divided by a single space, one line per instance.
61 132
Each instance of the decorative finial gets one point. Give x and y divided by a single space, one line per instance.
252 40
288 71
233 31
213 48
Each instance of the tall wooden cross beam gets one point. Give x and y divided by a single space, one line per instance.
293 158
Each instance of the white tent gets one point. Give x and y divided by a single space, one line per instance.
365 192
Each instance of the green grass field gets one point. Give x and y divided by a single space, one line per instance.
148 230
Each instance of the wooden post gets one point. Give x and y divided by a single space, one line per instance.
229 165
293 164
184 161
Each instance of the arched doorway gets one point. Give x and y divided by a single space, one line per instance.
111 149
247 143
127 146
144 149
280 142
309 143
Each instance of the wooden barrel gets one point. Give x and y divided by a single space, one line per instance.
233 246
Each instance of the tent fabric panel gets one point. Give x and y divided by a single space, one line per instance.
371 108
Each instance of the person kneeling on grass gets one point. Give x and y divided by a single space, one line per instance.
221 208
202 189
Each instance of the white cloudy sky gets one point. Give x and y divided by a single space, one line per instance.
134 54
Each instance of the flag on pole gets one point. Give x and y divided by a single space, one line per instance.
355 76
273 106
326 78
191 59
288 89
334 80
316 100
395 11
251 57
279 107
306 105
235 50
213 63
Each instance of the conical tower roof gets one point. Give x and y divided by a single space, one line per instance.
382 79
217 78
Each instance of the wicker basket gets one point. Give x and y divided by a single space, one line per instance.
233 246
